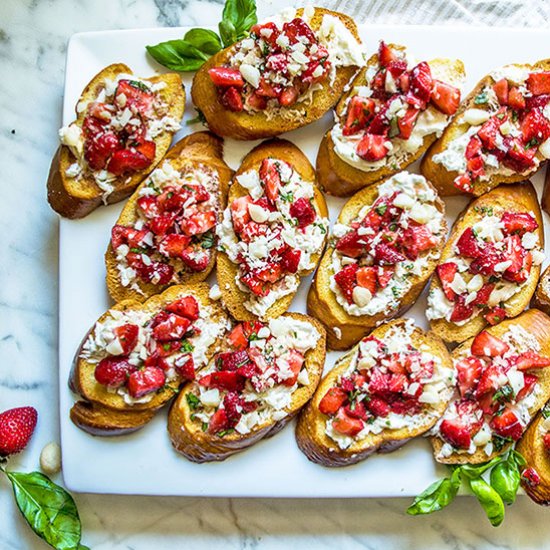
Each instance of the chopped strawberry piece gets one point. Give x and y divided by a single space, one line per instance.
490 130
421 82
534 101
297 30
155 272
385 54
225 77
257 101
535 127
169 326
187 369
378 407
98 149
461 310
523 273
515 99
530 360
507 424
239 212
295 361
289 96
195 258
252 230
290 260
445 97
237 337
468 245
406 122
529 381
487 345
232 404
148 205
519 157
148 149
456 433
446 273
198 222
346 280
333 400
360 113
259 288
145 381
218 422
416 239
265 89
372 147
161 224
128 235
187 307
270 34
366 277
546 442
473 149
125 161
173 245
501 91
469 372
113 371
356 409
351 244
232 360
386 255
277 62
384 275
127 336
495 315
463 182
519 222
514 253
482 295
397 68
271 178
347 425
270 274
232 99
137 95
223 380
530 477
303 211
539 83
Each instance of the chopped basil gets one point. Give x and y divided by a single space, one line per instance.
208 240
499 442
546 411
287 197
192 400
186 346
504 394
532 143
139 85
204 426
481 98
225 432
381 210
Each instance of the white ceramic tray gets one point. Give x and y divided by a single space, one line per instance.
144 462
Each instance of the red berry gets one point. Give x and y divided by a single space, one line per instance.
16 428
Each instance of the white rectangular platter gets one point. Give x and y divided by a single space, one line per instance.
144 462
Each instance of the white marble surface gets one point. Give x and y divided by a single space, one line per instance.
33 37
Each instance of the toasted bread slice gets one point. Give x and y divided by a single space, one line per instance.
75 195
481 98
541 297
234 297
100 400
196 441
341 178
519 198
258 124
201 152
545 199
532 447
535 325
312 427
344 328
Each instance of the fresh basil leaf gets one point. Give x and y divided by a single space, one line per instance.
438 495
518 458
228 33
178 55
489 499
205 40
49 509
505 480
472 471
242 15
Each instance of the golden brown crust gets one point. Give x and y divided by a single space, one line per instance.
241 125
322 303
442 178
188 438
538 325
232 295
193 150
513 198
75 198
545 200
310 430
541 298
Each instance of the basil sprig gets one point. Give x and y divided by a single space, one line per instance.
504 481
190 52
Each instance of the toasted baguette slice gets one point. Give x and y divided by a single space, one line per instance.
311 430
107 411
339 177
532 447
443 179
536 325
545 200
541 297
509 199
197 152
76 196
343 328
258 124
233 297
196 441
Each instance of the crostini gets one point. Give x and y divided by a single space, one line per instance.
287 73
499 135
534 446
394 110
541 297
392 386
124 125
250 390
490 265
136 355
503 379
273 231
383 250
166 232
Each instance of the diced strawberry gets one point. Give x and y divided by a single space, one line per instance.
223 380
270 34
128 235
445 97
530 477
113 371
530 360
173 245
303 211
487 261
463 182
218 422
482 295
187 369
295 361
225 77
546 443
406 122
138 97
347 425
148 149
515 99
501 91
169 326
385 54
380 124
360 113
366 277
469 372
252 230
456 433
237 337
270 274
476 167
535 127
145 381
446 273
514 253
539 83
495 315
155 272
289 96
490 130
417 238
298 29
507 424
186 307
384 275
163 349
351 244
259 288
232 404
386 255
461 310
125 161
347 383
519 157
265 89
290 260
534 101
487 345
397 383
271 178
378 407
257 101
277 62
473 149
346 280
148 205
333 400
468 245
98 149
523 273
421 82
356 409
529 381
161 224
232 360
519 222
198 222
372 147
397 67
127 336
195 258
232 99
239 212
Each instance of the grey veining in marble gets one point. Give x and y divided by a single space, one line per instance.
33 38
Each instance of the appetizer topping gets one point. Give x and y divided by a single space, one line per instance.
390 384
116 135
252 381
284 62
173 233
491 262
390 115
544 428
508 129
497 386
272 234
138 353
379 253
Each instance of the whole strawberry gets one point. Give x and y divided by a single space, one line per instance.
16 428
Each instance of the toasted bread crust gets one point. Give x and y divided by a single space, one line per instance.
310 430
75 198
241 125
442 178
538 325
192 150
339 178
188 438
514 198
232 295
322 303
541 298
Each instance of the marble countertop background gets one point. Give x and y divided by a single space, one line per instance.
33 39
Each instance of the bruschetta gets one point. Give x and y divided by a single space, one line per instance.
394 110
384 248
287 73
503 380
392 386
166 232
534 446
124 125
273 231
541 297
490 265
263 375
136 356
499 135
